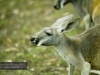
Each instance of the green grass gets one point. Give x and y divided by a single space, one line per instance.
21 19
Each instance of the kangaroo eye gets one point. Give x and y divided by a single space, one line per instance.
49 34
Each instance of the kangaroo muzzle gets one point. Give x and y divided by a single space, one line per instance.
60 4
34 41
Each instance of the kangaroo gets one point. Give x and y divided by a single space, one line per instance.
88 10
81 51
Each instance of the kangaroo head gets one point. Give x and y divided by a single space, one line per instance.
60 3
49 36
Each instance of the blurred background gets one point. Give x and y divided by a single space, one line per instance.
19 19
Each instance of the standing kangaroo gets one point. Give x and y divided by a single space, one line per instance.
88 10
81 51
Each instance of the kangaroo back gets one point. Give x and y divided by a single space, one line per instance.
90 47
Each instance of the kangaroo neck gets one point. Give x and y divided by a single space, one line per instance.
81 7
68 45
63 44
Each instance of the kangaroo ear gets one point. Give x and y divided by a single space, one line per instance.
60 23
70 25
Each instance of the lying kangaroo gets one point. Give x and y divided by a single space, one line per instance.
88 10
81 51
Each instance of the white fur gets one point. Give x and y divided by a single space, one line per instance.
40 42
62 3
87 21
95 71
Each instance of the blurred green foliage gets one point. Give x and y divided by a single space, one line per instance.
19 19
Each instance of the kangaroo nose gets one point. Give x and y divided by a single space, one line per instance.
32 39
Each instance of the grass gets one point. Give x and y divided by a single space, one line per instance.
19 20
